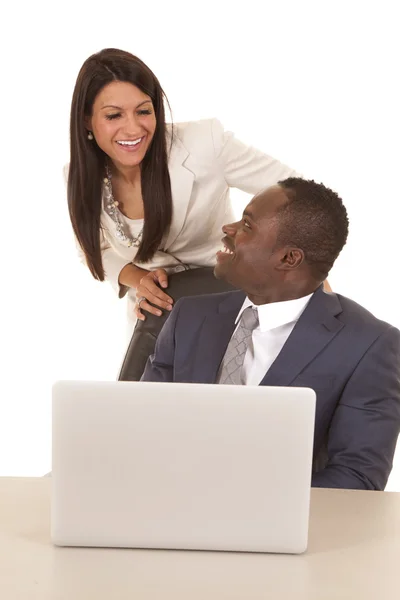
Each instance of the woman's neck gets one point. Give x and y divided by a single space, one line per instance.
130 175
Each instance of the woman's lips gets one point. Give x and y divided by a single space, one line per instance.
130 145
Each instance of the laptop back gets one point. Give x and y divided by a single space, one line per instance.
183 466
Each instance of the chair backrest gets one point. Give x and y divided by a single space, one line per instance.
193 282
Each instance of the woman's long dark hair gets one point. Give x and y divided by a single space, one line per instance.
87 163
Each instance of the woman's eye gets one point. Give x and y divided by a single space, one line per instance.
246 224
112 117
144 112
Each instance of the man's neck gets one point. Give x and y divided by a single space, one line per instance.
283 294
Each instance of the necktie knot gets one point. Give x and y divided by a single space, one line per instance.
250 318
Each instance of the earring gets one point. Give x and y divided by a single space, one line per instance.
90 135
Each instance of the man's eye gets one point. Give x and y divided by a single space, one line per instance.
246 224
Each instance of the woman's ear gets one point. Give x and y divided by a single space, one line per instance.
88 123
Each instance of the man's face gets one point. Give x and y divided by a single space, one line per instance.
250 258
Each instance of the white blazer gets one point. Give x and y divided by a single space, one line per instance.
204 162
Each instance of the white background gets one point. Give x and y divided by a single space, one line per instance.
311 83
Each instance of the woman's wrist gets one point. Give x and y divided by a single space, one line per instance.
131 275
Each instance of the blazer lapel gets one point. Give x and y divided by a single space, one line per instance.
216 332
316 327
182 179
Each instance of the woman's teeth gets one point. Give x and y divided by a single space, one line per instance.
129 143
226 250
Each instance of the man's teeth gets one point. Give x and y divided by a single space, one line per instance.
129 143
226 250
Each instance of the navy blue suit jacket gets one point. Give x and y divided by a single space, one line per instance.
339 349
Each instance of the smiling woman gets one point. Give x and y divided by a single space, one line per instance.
116 105
146 198
123 123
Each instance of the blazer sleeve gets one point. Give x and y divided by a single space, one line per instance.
366 424
160 366
113 263
245 167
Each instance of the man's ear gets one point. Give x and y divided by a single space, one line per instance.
291 258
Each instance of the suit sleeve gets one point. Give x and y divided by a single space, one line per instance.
245 167
160 366
366 424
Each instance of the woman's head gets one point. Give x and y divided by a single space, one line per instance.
122 122
117 114
117 98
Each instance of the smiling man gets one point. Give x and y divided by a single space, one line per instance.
283 329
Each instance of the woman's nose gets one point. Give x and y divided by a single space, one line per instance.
132 126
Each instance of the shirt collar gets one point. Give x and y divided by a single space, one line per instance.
277 314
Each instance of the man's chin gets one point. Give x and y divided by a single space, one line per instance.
218 272
223 274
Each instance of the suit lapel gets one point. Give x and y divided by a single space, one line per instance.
316 327
216 331
182 178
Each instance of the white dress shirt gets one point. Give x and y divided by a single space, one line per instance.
276 323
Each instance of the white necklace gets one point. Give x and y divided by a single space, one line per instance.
116 215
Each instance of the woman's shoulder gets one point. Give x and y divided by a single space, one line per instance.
198 135
189 128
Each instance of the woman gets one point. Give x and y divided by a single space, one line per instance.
147 199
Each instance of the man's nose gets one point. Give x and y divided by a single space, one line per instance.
230 229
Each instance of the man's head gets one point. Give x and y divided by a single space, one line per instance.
286 242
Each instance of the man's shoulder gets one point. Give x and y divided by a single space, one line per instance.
358 316
201 306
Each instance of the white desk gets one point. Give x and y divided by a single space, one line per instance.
354 552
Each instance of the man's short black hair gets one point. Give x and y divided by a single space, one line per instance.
315 220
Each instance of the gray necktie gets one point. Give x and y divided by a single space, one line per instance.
232 364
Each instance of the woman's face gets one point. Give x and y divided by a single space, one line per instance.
123 123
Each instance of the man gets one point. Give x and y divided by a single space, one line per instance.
283 329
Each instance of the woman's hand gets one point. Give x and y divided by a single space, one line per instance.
327 287
149 290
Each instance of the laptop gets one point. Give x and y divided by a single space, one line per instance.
181 466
